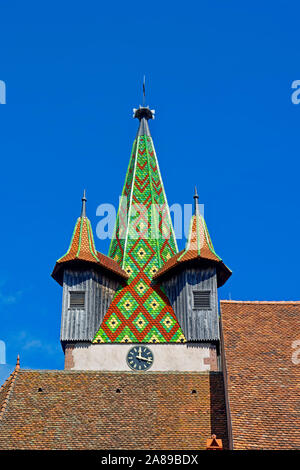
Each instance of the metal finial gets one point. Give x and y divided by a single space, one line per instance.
144 112
83 207
196 198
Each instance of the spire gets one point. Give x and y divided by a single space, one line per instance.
143 114
144 90
196 202
199 247
83 207
143 190
82 244
143 241
18 363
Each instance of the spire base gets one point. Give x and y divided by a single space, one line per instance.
143 114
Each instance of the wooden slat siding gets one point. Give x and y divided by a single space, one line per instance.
198 325
81 324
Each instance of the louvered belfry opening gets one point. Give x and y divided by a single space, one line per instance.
77 299
201 299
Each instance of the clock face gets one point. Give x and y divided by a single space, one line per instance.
139 358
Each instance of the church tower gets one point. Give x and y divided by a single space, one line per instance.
144 306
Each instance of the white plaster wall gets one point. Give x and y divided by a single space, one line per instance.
167 357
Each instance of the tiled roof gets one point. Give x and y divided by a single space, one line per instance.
140 313
82 251
142 242
263 373
199 249
121 410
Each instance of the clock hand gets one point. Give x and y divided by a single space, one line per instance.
144 358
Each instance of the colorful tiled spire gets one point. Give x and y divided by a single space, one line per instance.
199 248
143 241
82 250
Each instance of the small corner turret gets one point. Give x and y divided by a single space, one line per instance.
144 297
191 278
89 280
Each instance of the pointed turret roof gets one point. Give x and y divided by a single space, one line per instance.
82 249
199 248
143 241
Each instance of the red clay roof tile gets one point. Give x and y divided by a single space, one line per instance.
262 374
199 249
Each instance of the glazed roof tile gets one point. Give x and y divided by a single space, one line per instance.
82 250
199 248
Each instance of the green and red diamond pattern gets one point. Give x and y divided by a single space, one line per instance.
140 312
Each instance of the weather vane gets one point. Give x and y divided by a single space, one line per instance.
143 111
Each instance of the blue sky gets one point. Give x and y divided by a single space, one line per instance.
219 75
